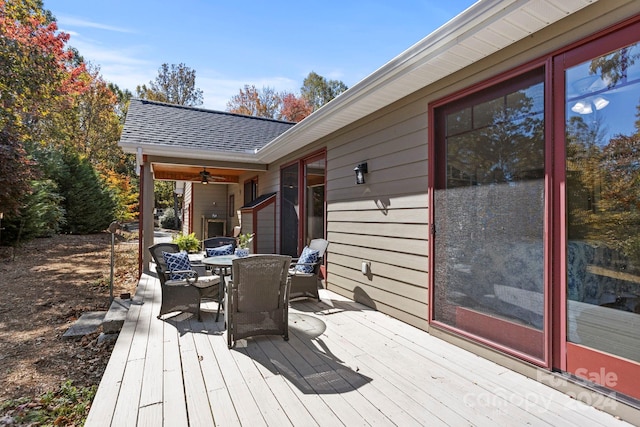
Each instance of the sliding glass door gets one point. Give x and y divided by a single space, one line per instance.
535 187
489 210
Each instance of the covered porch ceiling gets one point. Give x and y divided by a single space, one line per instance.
190 170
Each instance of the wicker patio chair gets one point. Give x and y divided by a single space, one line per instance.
305 271
182 290
215 242
258 297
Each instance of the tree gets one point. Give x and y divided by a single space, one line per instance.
40 74
124 98
91 125
315 92
175 84
246 102
125 195
294 109
88 203
42 214
318 91
15 171
253 102
163 194
267 103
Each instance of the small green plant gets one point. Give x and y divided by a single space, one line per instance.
187 242
69 405
244 240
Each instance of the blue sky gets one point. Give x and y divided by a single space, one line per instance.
233 43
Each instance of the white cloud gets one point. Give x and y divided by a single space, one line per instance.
64 20
125 67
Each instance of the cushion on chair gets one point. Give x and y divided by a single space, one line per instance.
175 262
308 256
220 250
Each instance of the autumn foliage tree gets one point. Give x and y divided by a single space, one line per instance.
37 72
315 92
269 104
55 114
294 108
254 102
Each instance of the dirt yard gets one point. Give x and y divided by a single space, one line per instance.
47 285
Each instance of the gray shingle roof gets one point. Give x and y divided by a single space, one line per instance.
150 122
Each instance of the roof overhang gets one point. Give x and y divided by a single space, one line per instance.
152 149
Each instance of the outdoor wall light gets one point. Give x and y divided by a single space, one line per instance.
360 170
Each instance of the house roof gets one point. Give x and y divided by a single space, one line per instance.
481 30
164 128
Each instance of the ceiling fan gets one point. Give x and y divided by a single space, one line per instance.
205 176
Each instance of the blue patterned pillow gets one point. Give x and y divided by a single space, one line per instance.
308 256
175 262
220 250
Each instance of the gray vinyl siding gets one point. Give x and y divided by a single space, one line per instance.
266 224
384 221
204 207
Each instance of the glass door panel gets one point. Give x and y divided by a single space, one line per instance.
603 204
314 211
289 210
489 210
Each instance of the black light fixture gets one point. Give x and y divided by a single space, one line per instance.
360 170
204 176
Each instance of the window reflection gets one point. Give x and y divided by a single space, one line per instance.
603 198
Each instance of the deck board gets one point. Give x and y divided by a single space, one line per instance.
344 364
289 401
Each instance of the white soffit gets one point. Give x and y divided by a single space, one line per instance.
479 31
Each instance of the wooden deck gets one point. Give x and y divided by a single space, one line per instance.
344 364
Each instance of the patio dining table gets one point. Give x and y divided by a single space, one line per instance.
222 264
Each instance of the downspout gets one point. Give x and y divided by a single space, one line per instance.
140 172
140 218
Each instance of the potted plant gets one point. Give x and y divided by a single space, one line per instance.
187 242
244 240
